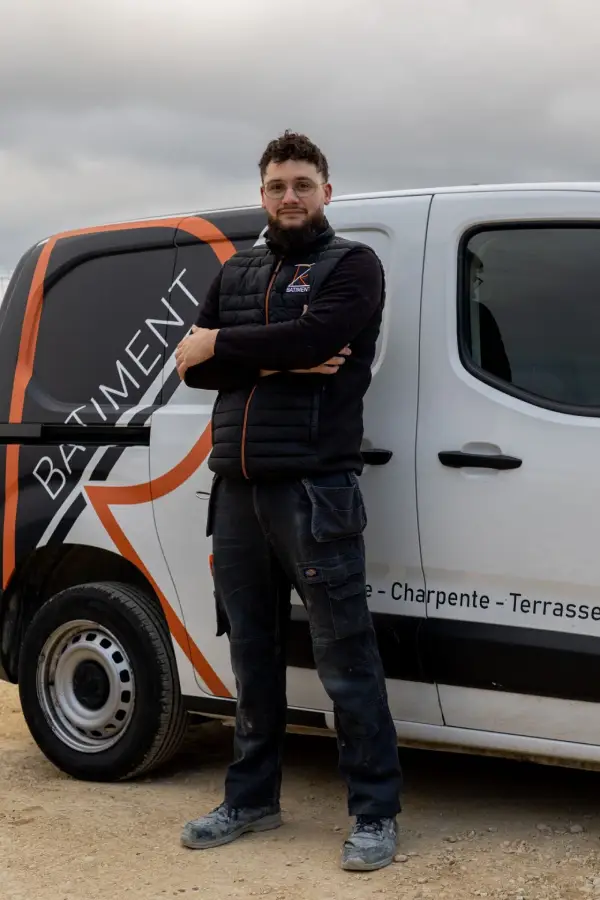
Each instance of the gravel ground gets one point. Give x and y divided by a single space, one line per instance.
471 827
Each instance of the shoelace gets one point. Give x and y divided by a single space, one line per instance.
370 827
224 813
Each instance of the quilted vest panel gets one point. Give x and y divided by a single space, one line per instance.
271 430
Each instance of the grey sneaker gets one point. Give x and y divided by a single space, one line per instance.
371 844
224 824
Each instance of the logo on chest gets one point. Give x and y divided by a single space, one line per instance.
300 283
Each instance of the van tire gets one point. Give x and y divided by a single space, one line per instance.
131 676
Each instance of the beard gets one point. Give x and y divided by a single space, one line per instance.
295 237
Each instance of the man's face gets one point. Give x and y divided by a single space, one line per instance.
293 193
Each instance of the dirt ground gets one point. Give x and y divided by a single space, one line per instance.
471 827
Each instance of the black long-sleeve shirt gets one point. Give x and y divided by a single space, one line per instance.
216 374
344 305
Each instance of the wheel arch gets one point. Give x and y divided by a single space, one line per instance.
45 572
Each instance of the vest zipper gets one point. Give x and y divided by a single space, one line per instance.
249 400
244 426
269 289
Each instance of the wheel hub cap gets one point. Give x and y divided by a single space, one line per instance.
86 686
91 685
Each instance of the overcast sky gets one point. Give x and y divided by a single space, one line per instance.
122 108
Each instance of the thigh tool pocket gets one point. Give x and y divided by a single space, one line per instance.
338 510
335 597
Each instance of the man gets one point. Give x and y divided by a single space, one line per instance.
287 336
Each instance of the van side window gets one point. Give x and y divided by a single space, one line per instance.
529 313
101 343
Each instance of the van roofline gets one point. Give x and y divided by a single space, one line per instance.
157 218
475 188
593 186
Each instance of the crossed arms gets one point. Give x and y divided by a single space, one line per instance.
225 359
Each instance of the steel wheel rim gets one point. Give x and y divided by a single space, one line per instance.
86 686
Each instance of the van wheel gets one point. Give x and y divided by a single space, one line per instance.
98 683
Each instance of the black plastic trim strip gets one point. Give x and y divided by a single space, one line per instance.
86 435
397 636
210 706
217 706
508 658
500 658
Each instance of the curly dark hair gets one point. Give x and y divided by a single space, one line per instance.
292 145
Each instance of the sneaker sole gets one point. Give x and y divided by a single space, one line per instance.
357 865
267 823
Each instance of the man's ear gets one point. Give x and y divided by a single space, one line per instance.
328 191
262 197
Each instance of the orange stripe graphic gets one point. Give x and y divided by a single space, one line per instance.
223 249
102 497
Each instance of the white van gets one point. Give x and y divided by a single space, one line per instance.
482 481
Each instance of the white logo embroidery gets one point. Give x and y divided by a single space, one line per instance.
299 283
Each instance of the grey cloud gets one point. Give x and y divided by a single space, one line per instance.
118 108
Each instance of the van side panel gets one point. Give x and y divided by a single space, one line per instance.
88 359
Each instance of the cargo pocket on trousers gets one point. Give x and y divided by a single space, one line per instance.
223 626
335 597
338 511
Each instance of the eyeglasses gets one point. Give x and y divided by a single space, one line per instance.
302 187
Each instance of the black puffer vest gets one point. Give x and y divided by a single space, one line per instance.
270 430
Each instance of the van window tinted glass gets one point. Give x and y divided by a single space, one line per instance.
531 311
97 351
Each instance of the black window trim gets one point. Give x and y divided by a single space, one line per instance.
463 318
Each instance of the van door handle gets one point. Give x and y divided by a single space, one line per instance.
376 457
458 459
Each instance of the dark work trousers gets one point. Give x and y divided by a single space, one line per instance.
308 533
